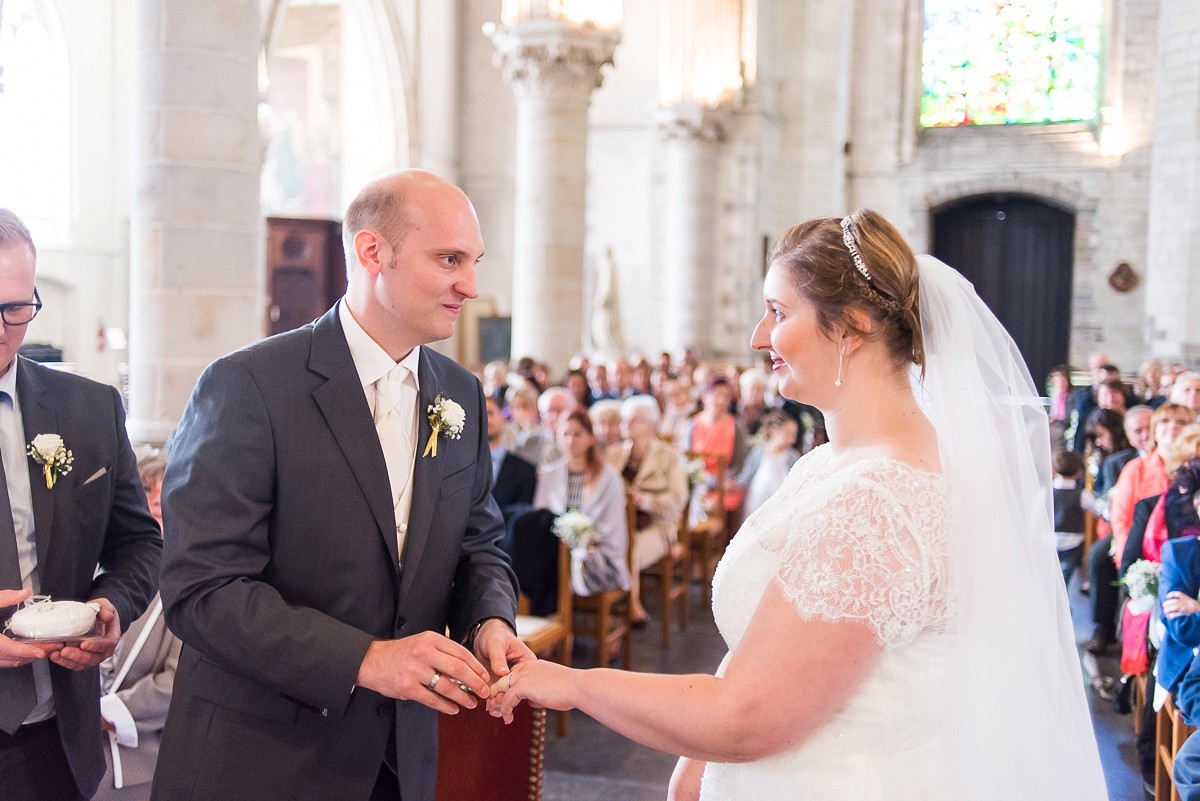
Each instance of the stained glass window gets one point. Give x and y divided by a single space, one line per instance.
992 62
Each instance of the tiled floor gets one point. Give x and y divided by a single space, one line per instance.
593 763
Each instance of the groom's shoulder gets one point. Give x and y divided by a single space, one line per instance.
448 371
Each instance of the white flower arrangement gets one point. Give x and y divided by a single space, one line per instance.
51 453
697 473
445 417
576 529
1141 579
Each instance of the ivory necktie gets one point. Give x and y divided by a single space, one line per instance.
395 422
18 696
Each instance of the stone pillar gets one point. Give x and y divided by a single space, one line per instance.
689 252
196 277
553 66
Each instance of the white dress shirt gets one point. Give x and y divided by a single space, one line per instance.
398 442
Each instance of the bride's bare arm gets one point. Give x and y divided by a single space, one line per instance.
787 677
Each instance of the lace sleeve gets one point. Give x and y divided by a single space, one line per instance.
865 556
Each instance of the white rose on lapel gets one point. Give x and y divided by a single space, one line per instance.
445 417
51 453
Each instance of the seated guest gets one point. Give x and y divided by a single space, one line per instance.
581 481
753 404
1142 477
495 380
1178 667
514 480
598 380
767 464
1149 530
657 480
1068 513
577 384
1148 381
525 434
1186 391
678 408
1058 386
606 422
715 430
1111 394
1082 402
136 681
552 405
1138 440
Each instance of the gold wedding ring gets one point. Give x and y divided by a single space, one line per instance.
432 685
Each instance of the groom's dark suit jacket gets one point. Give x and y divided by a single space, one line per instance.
95 515
280 568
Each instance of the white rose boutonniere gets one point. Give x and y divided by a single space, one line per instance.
445 417
49 451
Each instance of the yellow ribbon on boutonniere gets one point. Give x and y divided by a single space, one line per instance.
445 416
51 453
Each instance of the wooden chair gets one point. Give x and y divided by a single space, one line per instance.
607 617
1089 529
708 536
1140 682
1172 731
554 634
480 757
671 575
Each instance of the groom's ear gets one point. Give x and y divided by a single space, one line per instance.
369 249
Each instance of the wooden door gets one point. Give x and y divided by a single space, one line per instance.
1019 253
306 271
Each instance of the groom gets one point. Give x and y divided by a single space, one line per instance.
321 535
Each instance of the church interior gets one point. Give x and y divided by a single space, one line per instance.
183 166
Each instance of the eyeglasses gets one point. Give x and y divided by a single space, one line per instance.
21 313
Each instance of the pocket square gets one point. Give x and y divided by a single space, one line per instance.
95 476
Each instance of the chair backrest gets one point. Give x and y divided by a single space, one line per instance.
480 757
630 528
565 596
721 465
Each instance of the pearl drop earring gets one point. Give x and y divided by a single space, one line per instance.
841 355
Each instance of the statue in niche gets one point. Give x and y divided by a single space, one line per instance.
604 319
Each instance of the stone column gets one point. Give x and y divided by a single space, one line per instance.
196 277
1173 267
689 252
553 66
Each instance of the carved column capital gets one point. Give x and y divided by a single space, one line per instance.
547 57
692 123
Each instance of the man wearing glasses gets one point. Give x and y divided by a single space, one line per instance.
77 530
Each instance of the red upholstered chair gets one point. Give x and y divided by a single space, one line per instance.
480 757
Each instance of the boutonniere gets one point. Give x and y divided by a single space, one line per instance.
49 451
445 417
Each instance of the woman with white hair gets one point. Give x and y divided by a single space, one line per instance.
1186 391
657 480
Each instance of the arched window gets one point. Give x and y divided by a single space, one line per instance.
35 154
992 62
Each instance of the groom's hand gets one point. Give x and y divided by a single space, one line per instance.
499 648
406 670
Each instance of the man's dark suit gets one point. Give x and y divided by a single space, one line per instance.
90 518
280 569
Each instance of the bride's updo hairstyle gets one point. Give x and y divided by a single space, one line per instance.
860 261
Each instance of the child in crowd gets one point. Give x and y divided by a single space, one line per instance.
767 465
1068 513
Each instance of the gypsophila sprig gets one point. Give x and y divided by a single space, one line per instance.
1141 579
446 418
697 474
51 453
576 529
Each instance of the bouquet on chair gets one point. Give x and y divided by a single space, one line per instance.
1141 581
700 481
576 529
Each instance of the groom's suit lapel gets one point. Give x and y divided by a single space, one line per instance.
427 475
344 406
39 416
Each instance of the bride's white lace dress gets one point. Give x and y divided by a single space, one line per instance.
867 542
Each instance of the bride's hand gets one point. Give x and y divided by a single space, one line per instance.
541 683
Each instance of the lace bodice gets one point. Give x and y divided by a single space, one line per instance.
865 542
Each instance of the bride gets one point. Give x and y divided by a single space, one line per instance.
896 624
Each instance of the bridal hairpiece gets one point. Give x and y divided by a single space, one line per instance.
873 293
